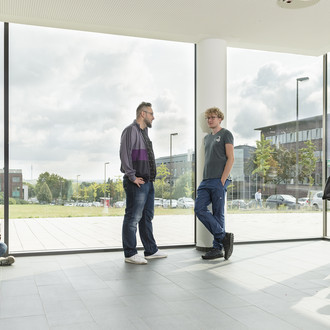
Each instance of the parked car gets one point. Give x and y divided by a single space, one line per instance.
120 204
185 203
303 201
167 203
251 203
317 201
239 204
158 202
274 201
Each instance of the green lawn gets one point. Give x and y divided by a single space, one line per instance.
58 211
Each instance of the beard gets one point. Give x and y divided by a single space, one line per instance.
148 123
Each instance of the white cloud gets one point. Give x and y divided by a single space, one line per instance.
268 95
72 94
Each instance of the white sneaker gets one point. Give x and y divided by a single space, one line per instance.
136 259
7 261
157 255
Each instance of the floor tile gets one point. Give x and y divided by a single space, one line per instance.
262 286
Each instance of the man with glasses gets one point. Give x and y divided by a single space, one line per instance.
219 160
139 168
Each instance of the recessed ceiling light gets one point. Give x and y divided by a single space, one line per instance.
295 4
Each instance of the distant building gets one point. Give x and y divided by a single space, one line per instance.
15 183
244 187
242 154
284 134
181 163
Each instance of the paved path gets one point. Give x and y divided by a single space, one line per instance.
105 232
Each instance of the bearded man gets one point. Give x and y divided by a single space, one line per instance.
139 168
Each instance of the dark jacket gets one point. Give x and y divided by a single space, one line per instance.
133 153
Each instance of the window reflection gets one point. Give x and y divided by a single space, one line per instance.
262 112
72 93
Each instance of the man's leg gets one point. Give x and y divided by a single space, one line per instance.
208 191
135 201
145 224
5 261
202 202
3 249
218 206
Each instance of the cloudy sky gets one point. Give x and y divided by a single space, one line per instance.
262 90
72 93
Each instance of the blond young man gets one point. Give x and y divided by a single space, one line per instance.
219 160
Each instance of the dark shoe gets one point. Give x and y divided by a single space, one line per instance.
213 254
228 245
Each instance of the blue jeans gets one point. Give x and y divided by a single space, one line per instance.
139 210
212 191
3 249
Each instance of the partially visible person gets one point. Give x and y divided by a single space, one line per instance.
139 168
219 160
5 261
257 197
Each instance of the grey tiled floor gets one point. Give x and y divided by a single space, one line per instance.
262 286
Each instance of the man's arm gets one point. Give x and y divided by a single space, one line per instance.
230 162
126 154
126 157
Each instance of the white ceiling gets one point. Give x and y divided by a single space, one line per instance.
255 24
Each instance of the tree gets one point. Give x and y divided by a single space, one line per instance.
264 159
162 175
184 186
285 165
162 190
44 194
307 162
58 186
119 189
31 190
93 191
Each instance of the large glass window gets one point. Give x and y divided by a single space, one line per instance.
274 98
1 129
327 223
71 95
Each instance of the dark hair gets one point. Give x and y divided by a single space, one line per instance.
142 107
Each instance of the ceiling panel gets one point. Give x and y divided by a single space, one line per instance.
255 24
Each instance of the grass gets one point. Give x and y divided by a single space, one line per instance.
26 211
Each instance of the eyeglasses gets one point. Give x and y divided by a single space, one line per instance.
150 113
211 118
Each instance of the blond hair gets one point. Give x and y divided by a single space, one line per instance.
214 111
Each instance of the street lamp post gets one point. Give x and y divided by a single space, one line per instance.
297 130
105 177
171 167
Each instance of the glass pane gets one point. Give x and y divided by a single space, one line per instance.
278 145
1 130
328 145
72 94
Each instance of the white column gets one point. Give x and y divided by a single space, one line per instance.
211 90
